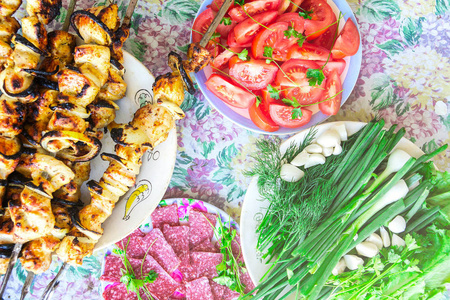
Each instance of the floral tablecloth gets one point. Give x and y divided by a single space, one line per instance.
405 78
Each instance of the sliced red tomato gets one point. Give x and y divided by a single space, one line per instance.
332 88
234 60
222 59
252 8
294 20
246 30
293 6
297 85
228 92
282 115
254 74
200 26
224 30
231 41
260 116
283 6
337 65
321 17
308 52
217 4
327 38
273 36
347 43
267 99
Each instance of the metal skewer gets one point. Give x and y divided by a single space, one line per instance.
215 22
26 285
12 262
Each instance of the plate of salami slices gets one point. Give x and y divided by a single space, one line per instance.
173 255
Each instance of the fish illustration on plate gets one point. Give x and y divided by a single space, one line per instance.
142 191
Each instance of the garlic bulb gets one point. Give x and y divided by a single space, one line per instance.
329 138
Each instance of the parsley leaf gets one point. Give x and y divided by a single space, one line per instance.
301 40
225 21
315 76
239 2
306 14
297 113
243 55
292 102
151 277
291 32
273 92
268 52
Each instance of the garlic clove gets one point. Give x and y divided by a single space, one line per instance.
398 241
327 151
397 225
342 131
300 159
353 261
337 150
313 148
367 249
314 160
291 173
329 138
340 267
385 237
375 239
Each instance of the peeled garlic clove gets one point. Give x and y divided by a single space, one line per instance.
398 241
342 131
327 151
291 173
353 261
300 159
313 148
340 267
375 239
337 150
385 237
397 225
367 249
314 160
329 138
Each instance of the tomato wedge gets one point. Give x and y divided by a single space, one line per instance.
337 65
282 115
293 6
252 8
246 30
347 43
333 87
231 41
309 52
234 60
294 20
273 36
200 26
224 30
321 17
217 4
298 85
254 74
260 116
228 92
327 38
222 59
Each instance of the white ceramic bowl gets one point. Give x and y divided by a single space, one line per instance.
348 78
254 206
157 165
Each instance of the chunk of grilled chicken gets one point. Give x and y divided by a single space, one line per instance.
198 58
35 32
9 7
10 149
36 254
8 27
115 87
74 247
45 10
119 38
97 56
6 224
12 116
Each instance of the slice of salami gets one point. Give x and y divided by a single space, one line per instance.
230 295
201 227
157 246
199 289
118 291
112 273
206 246
205 263
245 279
133 243
177 237
165 215
217 289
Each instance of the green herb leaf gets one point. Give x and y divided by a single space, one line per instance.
297 113
273 92
292 102
214 36
301 40
291 32
151 277
268 52
258 101
225 21
305 14
239 2
315 76
243 54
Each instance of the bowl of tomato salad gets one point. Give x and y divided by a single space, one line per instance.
279 66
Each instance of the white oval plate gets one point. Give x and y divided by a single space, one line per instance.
254 206
157 165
